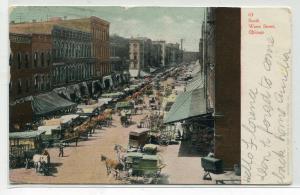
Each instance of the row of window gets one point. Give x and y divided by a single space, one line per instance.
101 34
22 60
71 34
39 82
66 49
105 69
102 51
65 74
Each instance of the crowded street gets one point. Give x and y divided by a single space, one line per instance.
81 164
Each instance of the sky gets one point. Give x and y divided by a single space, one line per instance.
158 23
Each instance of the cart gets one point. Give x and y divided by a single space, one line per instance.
143 165
22 146
138 138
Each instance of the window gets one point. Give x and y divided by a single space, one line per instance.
48 81
26 61
19 60
27 85
42 59
48 59
43 83
19 86
10 86
73 50
11 58
35 58
36 80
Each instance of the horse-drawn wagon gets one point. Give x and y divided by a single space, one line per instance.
140 164
127 105
22 147
138 137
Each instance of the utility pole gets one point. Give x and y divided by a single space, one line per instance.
19 17
181 50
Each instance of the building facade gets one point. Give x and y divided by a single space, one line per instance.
173 54
72 56
119 53
160 52
190 56
99 29
221 66
156 56
30 73
140 53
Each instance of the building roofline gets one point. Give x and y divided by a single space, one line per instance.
57 22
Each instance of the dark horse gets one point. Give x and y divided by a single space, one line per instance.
112 165
124 121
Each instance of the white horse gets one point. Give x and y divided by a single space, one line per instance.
38 159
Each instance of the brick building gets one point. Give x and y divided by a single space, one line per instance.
161 45
173 54
139 55
30 67
72 61
99 29
119 53
221 62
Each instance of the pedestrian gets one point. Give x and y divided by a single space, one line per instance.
61 150
76 141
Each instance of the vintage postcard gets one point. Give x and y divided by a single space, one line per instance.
149 95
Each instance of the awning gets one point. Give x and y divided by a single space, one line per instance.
63 91
49 102
86 111
85 88
112 95
188 104
108 78
26 134
144 74
134 72
133 87
94 83
74 89
196 82
68 118
51 122
48 129
152 70
104 100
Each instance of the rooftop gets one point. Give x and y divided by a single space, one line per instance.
83 24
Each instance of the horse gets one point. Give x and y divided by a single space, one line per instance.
112 165
38 160
121 153
124 121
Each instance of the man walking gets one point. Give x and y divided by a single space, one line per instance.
61 150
